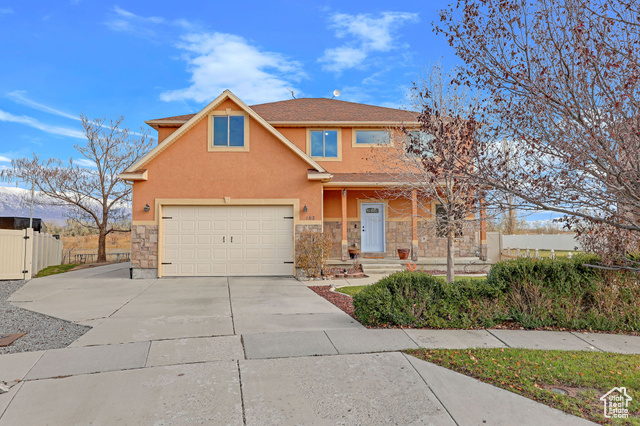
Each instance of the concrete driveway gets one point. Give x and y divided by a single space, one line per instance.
250 351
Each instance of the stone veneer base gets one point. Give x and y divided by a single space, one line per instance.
144 274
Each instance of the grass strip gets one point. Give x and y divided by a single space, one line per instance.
586 376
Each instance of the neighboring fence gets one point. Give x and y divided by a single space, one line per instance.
24 253
564 242
90 257
502 247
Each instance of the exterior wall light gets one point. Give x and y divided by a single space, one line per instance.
147 208
304 209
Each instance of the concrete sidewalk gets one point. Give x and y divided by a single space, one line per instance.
251 351
208 380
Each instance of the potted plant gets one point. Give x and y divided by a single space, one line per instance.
403 254
354 251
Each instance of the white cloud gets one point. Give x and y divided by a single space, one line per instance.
32 122
368 34
18 96
144 26
83 162
219 61
4 159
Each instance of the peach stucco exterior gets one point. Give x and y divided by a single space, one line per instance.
187 170
273 168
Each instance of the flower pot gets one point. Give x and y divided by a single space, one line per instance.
403 254
354 252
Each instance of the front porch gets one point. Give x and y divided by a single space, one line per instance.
389 265
373 218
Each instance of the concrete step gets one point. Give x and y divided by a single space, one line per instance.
381 272
381 269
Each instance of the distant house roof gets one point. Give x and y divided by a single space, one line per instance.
313 110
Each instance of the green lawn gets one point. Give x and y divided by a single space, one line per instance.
56 269
530 372
358 288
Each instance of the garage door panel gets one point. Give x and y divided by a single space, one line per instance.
236 225
220 255
220 226
252 240
196 240
187 225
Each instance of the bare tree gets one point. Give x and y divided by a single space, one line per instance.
97 196
561 79
422 160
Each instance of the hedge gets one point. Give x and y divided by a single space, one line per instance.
532 293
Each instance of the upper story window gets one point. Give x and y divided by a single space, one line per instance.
422 143
228 131
324 144
371 137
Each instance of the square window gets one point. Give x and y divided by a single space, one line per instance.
228 131
324 143
372 137
422 141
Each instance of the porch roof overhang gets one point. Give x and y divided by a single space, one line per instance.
140 174
343 180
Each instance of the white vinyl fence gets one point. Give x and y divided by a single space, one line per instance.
24 253
565 242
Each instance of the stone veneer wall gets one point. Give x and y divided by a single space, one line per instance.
144 246
301 228
398 235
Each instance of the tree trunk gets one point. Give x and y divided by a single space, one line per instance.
102 246
450 261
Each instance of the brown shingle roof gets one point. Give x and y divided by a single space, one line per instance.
322 109
317 110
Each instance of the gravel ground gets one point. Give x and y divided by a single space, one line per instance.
342 301
43 332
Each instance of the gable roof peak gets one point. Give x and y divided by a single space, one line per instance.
195 118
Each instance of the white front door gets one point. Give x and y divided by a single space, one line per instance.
372 226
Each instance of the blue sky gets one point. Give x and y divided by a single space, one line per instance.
148 60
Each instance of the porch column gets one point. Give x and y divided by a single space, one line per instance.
483 230
414 224
345 243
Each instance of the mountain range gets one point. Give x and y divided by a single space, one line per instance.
16 202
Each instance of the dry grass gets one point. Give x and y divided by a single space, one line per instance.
85 244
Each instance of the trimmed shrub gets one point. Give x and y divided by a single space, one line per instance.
312 251
534 293
419 299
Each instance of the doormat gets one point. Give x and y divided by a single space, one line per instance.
373 255
7 339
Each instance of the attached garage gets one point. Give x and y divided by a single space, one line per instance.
227 240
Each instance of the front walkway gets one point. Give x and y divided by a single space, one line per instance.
250 351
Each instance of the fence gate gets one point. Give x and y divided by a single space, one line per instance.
16 256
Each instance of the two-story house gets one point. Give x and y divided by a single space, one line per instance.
226 190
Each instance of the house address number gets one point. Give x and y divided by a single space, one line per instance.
373 210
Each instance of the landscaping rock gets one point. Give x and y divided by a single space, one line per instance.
42 331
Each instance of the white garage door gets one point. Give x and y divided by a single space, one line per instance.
227 240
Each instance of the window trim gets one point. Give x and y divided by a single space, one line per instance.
324 129
227 112
354 137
